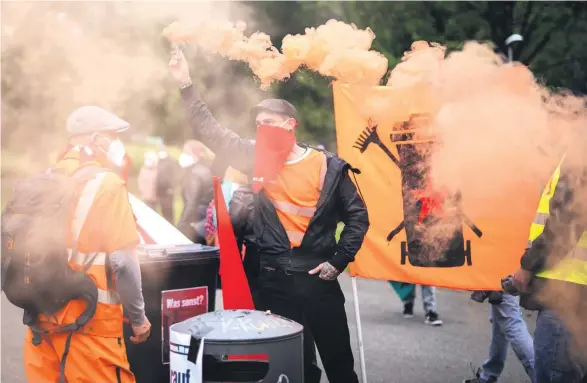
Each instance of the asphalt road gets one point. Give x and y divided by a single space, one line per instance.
397 350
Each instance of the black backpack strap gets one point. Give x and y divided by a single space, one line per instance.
64 358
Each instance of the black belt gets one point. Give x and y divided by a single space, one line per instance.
271 269
291 263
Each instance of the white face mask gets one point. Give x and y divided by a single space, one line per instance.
115 152
186 160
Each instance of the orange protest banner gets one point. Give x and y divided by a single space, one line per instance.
460 240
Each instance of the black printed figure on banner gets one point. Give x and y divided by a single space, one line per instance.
429 214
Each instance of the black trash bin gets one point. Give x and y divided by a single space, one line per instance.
240 346
179 282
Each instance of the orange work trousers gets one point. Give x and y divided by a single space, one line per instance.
91 359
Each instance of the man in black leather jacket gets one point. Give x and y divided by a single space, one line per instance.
296 281
196 192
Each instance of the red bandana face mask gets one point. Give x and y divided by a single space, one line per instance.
272 147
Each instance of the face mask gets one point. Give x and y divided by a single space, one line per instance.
272 147
186 160
115 152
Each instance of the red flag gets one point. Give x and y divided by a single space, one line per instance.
235 287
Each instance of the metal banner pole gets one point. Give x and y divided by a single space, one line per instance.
359 331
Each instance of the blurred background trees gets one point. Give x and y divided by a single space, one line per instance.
552 48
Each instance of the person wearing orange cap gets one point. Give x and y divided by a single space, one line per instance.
103 226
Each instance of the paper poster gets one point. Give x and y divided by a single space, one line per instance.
177 306
180 368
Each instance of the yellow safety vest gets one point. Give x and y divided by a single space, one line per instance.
573 268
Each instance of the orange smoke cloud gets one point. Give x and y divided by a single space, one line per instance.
334 49
419 65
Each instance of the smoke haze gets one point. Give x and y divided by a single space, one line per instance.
59 56
496 130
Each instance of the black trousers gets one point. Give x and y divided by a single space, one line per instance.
318 305
166 202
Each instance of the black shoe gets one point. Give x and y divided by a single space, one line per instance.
433 319
408 310
477 378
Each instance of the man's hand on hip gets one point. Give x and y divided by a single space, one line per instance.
327 271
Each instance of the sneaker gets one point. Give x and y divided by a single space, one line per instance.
408 310
477 378
432 319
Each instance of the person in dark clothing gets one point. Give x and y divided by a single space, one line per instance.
196 191
167 175
241 213
300 196
553 273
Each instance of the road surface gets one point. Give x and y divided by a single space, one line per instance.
397 350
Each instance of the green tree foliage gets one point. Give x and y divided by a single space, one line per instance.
552 40
552 48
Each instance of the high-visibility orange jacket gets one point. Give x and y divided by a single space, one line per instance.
109 225
296 191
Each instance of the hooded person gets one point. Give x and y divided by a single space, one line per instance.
300 196
103 225
196 191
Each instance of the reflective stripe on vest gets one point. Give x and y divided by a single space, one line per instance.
543 210
84 204
98 268
573 268
301 211
290 208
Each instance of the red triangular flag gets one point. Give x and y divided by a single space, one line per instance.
235 287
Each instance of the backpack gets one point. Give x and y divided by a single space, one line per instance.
36 275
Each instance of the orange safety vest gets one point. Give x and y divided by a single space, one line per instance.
296 191
102 222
